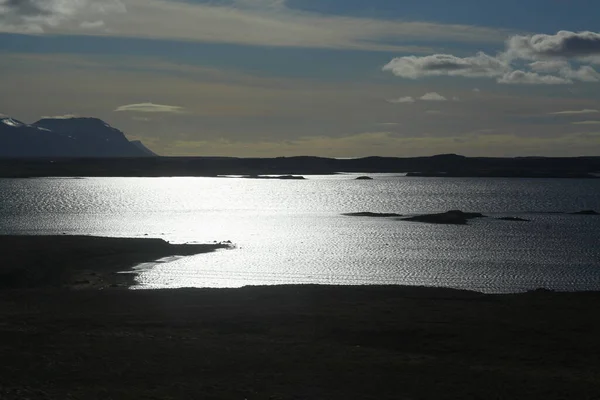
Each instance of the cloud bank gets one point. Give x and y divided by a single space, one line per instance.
539 59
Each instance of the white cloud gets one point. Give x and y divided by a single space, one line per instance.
564 44
531 78
406 99
551 55
150 108
455 98
433 96
476 90
575 112
481 65
586 123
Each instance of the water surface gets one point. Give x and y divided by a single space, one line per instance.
293 232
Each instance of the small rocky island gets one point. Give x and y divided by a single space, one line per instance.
372 214
586 212
453 217
515 219
364 178
280 177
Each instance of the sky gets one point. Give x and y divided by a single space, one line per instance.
333 78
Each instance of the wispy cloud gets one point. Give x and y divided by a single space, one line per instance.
575 112
65 116
532 78
249 22
406 99
150 108
586 123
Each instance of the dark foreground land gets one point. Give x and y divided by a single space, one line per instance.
297 342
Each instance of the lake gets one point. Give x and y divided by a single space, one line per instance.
292 231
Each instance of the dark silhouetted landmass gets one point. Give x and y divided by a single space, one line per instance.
298 342
372 214
65 137
586 212
516 219
453 217
453 165
364 178
56 261
280 177
144 149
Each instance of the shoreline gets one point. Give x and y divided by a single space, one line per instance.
80 262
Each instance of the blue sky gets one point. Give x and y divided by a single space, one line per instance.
318 77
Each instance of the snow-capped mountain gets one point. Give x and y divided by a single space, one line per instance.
65 137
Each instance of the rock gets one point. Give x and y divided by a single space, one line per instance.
585 212
282 177
514 219
371 214
453 217
364 178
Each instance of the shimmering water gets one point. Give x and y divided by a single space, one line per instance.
293 231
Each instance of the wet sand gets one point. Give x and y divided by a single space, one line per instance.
297 342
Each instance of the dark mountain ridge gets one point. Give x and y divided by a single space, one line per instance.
91 147
445 166
65 137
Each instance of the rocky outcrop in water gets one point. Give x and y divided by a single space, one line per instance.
372 214
364 178
280 177
453 217
585 212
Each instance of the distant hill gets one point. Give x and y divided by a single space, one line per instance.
140 146
66 137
